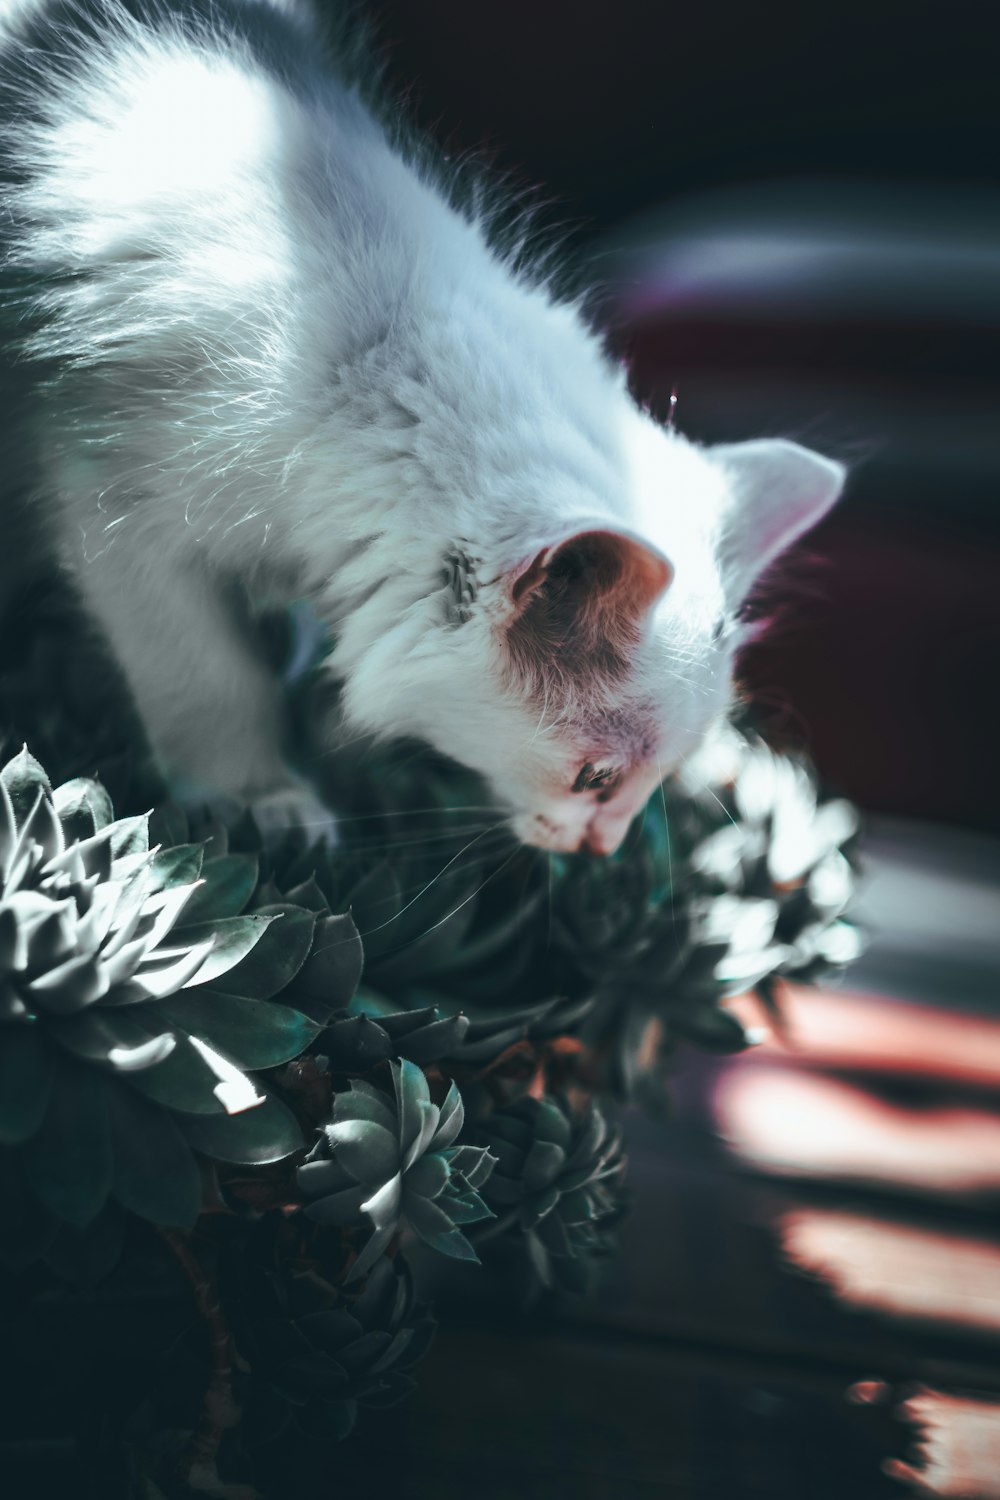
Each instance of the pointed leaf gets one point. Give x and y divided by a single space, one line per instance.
167 971
180 865
121 1039
129 836
25 780
232 940
384 1205
468 1209
183 1082
268 1133
374 1246
368 1151
332 971
365 1102
274 957
42 827
341 1208
254 1033
435 1228
428 1176
227 885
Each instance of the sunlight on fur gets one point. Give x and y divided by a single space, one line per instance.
260 354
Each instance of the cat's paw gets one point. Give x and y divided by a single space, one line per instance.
292 808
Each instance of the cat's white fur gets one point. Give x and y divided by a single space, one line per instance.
276 358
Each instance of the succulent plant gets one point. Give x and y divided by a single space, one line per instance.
135 1006
360 1039
172 988
390 1160
557 1182
738 873
315 1352
783 843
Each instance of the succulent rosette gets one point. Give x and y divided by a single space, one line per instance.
783 843
361 1038
314 1352
177 995
388 1160
557 1184
740 872
135 1006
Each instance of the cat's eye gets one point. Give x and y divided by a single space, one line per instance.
590 779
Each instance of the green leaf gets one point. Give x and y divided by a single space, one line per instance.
269 1132
366 1002
154 1172
25 1080
277 958
308 894
178 866
84 808
368 1151
68 1161
24 779
125 1040
182 1082
329 977
129 836
227 885
542 1165
253 1033
436 1229
234 938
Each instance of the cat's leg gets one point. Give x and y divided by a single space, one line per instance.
211 709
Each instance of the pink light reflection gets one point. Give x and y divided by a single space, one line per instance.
796 1124
959 1443
896 1269
834 1028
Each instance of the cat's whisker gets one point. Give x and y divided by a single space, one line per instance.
432 882
425 841
417 812
455 909
703 786
670 856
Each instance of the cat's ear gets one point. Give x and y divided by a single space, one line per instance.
779 491
593 568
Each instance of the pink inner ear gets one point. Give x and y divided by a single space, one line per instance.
602 569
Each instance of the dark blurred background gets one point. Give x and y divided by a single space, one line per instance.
791 213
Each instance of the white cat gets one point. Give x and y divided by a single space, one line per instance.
264 355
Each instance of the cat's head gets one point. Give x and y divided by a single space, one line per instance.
575 665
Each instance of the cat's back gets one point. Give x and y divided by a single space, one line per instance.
118 107
189 189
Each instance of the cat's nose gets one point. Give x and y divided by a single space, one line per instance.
605 837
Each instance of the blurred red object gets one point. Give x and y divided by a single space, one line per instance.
844 1030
